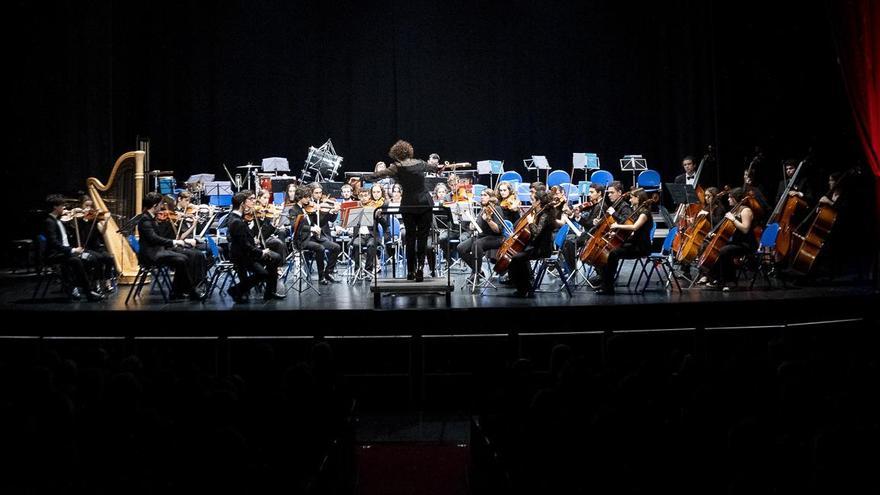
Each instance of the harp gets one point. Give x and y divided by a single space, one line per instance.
122 196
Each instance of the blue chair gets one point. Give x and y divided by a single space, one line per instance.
571 191
510 176
559 238
602 177
160 274
221 226
278 198
649 180
557 177
765 256
661 261
221 267
553 261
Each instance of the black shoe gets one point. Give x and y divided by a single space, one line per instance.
420 274
433 273
330 279
93 296
324 281
176 296
605 291
274 295
74 294
197 295
410 276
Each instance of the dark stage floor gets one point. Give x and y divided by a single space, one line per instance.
345 309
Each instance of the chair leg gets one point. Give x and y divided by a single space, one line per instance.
134 284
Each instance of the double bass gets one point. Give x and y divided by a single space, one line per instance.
686 211
809 245
783 215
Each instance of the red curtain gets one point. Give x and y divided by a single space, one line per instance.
858 43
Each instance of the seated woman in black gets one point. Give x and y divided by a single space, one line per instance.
723 272
636 246
540 246
488 233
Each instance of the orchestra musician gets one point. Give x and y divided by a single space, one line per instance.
801 187
441 197
508 202
264 225
488 233
75 261
310 236
254 265
410 173
587 216
689 176
541 226
190 265
91 225
723 272
365 237
636 246
714 206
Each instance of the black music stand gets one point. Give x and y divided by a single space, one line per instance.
682 193
357 218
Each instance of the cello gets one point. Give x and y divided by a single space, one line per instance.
783 215
696 234
521 236
810 244
613 239
594 252
723 233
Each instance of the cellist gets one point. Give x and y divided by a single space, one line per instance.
723 272
636 246
541 226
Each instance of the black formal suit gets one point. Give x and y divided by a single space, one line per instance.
190 265
252 265
682 179
304 240
74 266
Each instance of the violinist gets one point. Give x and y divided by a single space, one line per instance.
75 261
365 237
190 265
636 246
327 210
587 215
263 226
254 265
488 233
723 272
91 225
508 202
541 224
310 237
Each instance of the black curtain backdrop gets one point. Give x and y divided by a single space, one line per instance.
231 82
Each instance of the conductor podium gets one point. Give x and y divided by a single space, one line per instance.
399 286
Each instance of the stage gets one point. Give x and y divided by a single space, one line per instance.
348 310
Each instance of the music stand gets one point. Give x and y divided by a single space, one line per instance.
539 162
633 163
355 219
682 193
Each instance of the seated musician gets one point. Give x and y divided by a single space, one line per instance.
91 227
723 272
621 213
751 186
75 262
714 206
440 195
541 227
488 233
267 229
365 236
508 202
636 246
310 237
587 215
190 265
254 265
